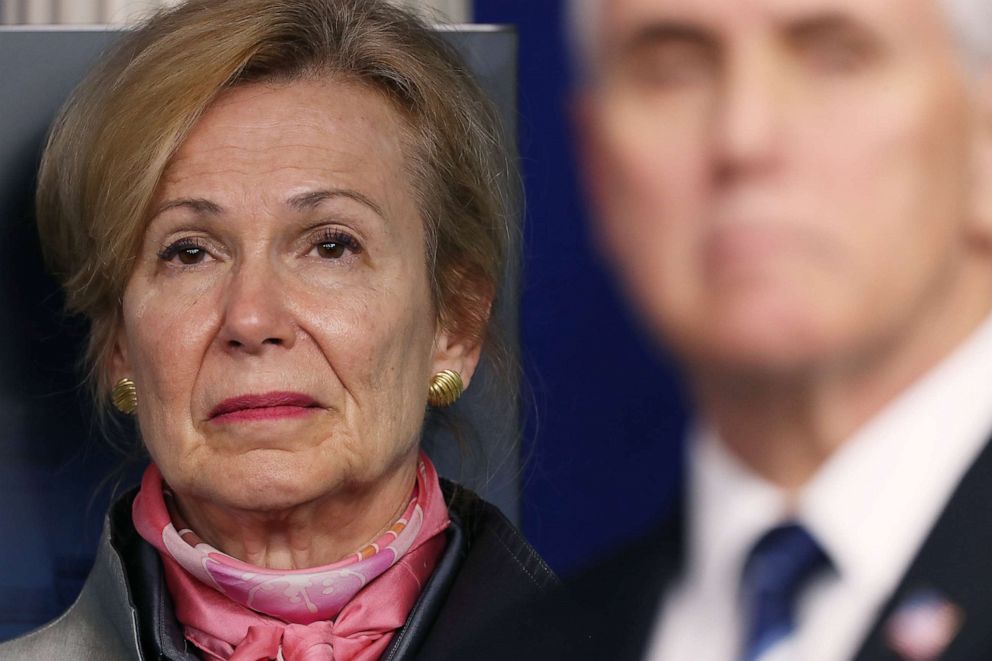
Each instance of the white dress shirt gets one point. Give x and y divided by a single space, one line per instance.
870 507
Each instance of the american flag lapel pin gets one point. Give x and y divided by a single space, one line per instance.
922 626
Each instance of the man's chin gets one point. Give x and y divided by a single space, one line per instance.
769 351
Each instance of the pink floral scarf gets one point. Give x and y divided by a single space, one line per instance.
345 611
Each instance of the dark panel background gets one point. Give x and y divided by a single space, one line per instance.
603 448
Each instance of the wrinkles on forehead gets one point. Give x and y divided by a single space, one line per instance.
605 30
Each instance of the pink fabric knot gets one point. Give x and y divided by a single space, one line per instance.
298 642
308 642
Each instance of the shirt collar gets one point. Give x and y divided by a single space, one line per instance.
873 501
729 508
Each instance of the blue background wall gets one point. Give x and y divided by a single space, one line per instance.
604 429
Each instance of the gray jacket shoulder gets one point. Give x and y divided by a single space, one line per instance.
100 625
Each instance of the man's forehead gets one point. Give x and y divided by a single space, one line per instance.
618 17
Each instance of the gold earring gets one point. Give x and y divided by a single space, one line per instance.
125 396
445 389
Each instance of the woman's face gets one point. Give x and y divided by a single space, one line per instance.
278 322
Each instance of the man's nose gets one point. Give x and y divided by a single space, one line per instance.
749 115
256 310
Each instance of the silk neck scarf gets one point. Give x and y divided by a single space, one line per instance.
345 611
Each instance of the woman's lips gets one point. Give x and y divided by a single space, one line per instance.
269 406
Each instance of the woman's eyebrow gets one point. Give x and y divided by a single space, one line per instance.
312 199
198 205
306 201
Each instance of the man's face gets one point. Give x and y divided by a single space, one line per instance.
783 184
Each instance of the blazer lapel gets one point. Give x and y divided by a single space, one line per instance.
606 612
943 605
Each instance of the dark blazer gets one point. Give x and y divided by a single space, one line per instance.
608 612
125 611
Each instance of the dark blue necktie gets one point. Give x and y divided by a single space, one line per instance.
778 567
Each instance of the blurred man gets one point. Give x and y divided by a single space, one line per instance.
797 196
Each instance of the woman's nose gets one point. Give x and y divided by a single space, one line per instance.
256 314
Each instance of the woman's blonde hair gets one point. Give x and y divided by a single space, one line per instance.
117 133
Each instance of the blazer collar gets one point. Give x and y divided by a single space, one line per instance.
947 591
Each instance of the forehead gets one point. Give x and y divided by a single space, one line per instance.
326 124
619 19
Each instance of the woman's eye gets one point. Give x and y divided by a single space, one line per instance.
191 255
330 250
186 252
335 245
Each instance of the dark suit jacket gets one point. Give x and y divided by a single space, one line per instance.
608 612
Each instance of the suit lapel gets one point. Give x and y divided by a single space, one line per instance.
944 601
608 611
651 571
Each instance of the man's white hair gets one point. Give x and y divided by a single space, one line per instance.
971 21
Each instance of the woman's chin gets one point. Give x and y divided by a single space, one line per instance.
271 495
260 483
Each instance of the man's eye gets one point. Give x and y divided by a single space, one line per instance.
672 65
187 252
837 53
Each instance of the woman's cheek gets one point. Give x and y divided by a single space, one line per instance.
169 325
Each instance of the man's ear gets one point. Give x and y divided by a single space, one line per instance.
981 211
596 168
585 132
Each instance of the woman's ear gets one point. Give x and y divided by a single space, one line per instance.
119 363
458 344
